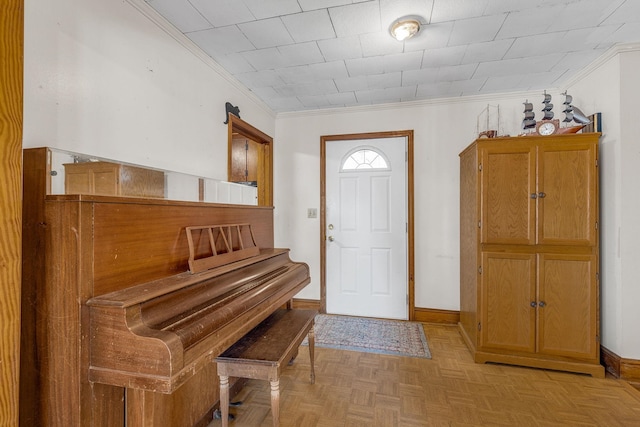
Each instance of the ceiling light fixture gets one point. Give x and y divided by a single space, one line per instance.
405 27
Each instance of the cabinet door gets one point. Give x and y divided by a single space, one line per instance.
508 291
567 305
507 182
567 193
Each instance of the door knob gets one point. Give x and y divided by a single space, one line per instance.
330 227
542 303
331 238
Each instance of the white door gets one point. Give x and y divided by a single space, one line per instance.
366 205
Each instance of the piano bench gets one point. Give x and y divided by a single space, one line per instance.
263 352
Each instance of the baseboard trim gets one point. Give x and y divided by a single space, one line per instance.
432 315
307 304
425 315
619 367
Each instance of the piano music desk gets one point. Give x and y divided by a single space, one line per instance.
263 352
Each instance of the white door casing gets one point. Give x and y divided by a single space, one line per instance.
366 217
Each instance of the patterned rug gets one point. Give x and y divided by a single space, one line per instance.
395 337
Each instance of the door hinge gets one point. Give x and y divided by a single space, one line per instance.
596 162
479 326
479 224
596 225
480 270
480 167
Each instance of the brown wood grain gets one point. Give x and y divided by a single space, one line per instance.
83 246
11 66
529 206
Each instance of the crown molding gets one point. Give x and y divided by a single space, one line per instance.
155 17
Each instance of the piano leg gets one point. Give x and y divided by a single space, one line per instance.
224 399
312 343
275 402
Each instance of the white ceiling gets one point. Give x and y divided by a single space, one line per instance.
313 54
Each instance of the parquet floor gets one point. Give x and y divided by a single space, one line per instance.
369 390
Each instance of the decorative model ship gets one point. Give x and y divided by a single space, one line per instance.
550 126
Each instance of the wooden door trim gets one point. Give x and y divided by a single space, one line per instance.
265 160
410 208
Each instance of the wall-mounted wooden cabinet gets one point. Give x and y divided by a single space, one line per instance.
113 179
529 251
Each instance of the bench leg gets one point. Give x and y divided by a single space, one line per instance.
275 402
312 344
224 399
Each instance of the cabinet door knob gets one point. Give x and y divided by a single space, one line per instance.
542 195
534 196
542 303
533 304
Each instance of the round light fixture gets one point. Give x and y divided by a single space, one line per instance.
404 28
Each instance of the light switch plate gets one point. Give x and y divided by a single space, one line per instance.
312 213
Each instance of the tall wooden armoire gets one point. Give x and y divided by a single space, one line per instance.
529 251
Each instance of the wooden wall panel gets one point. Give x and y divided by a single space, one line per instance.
11 81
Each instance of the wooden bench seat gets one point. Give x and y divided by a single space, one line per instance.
263 352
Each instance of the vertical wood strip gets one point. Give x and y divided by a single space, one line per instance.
11 81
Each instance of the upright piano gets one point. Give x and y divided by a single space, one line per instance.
117 328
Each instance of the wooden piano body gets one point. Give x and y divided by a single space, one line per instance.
116 331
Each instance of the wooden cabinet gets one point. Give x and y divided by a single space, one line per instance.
113 179
529 251
245 155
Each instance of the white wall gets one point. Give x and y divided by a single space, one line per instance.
442 130
612 88
102 79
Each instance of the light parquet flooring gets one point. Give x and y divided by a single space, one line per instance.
363 389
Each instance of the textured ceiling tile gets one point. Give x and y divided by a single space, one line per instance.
456 72
623 12
261 78
540 44
390 10
266 33
284 104
466 87
432 90
475 30
432 36
322 4
319 71
302 53
528 22
487 51
342 48
365 66
520 66
446 56
183 16
234 63
265 59
315 48
262 9
321 87
627 33
415 77
374 44
360 18
447 10
402 62
221 41
308 26
223 12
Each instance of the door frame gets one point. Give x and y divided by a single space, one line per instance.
408 134
265 159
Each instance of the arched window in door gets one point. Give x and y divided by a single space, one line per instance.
364 158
